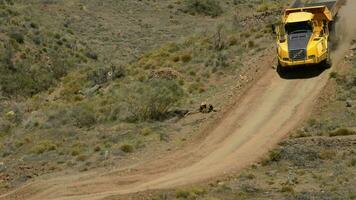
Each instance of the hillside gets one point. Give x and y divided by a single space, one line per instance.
93 90
94 84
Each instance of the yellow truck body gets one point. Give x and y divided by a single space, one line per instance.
304 37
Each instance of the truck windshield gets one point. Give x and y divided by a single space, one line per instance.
298 27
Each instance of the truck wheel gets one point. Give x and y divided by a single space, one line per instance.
328 62
280 69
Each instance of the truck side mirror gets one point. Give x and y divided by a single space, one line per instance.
321 33
278 31
282 38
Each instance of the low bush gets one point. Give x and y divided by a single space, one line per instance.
44 146
83 116
23 73
19 79
287 189
245 176
353 162
93 55
82 158
5 126
204 7
342 132
98 76
327 154
17 36
101 75
186 58
152 99
251 43
127 148
333 74
232 41
190 193
146 131
77 149
275 156
263 7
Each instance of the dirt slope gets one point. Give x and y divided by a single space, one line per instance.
267 112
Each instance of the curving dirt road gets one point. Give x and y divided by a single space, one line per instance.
265 114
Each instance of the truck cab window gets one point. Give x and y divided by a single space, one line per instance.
298 27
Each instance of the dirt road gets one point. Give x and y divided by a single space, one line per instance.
265 114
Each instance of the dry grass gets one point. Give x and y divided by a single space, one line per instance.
78 107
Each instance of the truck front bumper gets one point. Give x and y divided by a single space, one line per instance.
291 63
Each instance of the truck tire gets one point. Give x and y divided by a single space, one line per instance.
280 69
328 62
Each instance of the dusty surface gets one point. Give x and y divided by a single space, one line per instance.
256 123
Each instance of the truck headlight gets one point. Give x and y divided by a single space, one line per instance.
311 57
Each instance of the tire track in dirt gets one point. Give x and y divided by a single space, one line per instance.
266 113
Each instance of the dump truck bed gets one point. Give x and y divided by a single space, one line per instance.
333 6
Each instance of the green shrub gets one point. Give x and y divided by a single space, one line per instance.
17 36
175 58
33 25
249 176
353 162
127 148
186 58
146 131
263 7
333 74
22 81
287 189
101 75
190 193
232 40
83 116
152 99
327 154
37 40
275 156
5 126
82 158
251 44
26 75
93 55
182 194
342 132
44 146
204 7
77 149
246 34
97 148
98 76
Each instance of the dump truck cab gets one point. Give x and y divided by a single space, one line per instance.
303 38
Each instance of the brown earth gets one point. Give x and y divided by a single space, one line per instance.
265 114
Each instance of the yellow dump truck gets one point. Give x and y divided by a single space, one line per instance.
304 36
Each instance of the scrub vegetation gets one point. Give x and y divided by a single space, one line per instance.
81 88
88 84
